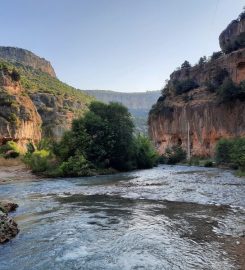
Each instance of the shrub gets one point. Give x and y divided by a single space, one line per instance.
186 64
216 55
10 150
174 155
145 154
231 152
208 163
15 75
228 91
223 151
76 166
38 161
181 87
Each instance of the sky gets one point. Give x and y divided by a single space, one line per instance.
121 45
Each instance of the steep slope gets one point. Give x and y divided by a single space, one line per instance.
209 97
138 103
19 119
27 58
35 104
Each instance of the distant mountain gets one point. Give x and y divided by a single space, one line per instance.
138 103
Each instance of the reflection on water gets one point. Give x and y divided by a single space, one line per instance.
164 218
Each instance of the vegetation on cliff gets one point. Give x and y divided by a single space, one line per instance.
101 141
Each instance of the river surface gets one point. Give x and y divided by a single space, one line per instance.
169 217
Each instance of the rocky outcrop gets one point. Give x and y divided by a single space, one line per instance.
209 120
192 98
19 119
8 227
56 112
26 58
233 37
34 104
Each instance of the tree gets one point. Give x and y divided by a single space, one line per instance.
216 55
202 60
186 64
15 75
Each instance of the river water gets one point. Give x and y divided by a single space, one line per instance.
169 217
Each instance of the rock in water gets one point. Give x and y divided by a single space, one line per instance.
8 227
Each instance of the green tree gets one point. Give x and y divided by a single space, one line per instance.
186 64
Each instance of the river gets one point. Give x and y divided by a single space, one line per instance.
168 217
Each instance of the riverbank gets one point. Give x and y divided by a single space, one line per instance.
13 170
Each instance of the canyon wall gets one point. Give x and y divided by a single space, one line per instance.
200 106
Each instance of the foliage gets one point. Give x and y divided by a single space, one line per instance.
202 60
231 152
39 161
10 150
173 155
230 91
208 163
76 166
186 64
37 81
145 153
15 75
184 86
216 55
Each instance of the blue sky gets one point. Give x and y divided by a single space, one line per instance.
123 45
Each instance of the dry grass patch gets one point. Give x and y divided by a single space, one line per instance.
10 162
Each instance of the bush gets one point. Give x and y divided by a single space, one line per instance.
231 152
38 161
15 75
186 64
76 166
181 87
208 163
145 154
174 155
228 91
216 55
10 150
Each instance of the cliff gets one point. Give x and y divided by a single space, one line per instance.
209 97
26 58
19 120
34 104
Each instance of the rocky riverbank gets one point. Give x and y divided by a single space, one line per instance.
8 227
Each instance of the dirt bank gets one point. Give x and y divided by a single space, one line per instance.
14 170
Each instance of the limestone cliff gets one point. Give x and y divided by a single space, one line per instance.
195 95
19 120
34 104
27 58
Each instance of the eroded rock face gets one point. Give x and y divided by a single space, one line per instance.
208 119
232 38
208 116
19 119
26 58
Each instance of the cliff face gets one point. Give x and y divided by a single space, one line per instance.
189 99
26 58
233 37
19 120
208 119
34 104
